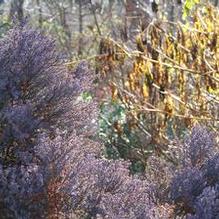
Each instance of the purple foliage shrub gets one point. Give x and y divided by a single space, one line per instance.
36 91
89 185
198 147
49 166
194 187
37 95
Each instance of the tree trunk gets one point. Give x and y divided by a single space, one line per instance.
40 18
80 19
16 10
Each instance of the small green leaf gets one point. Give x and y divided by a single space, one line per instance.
188 6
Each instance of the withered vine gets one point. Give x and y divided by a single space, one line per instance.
167 84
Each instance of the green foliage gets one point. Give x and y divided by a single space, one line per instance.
188 6
86 96
5 25
110 114
120 140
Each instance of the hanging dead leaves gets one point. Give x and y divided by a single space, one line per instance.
173 78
